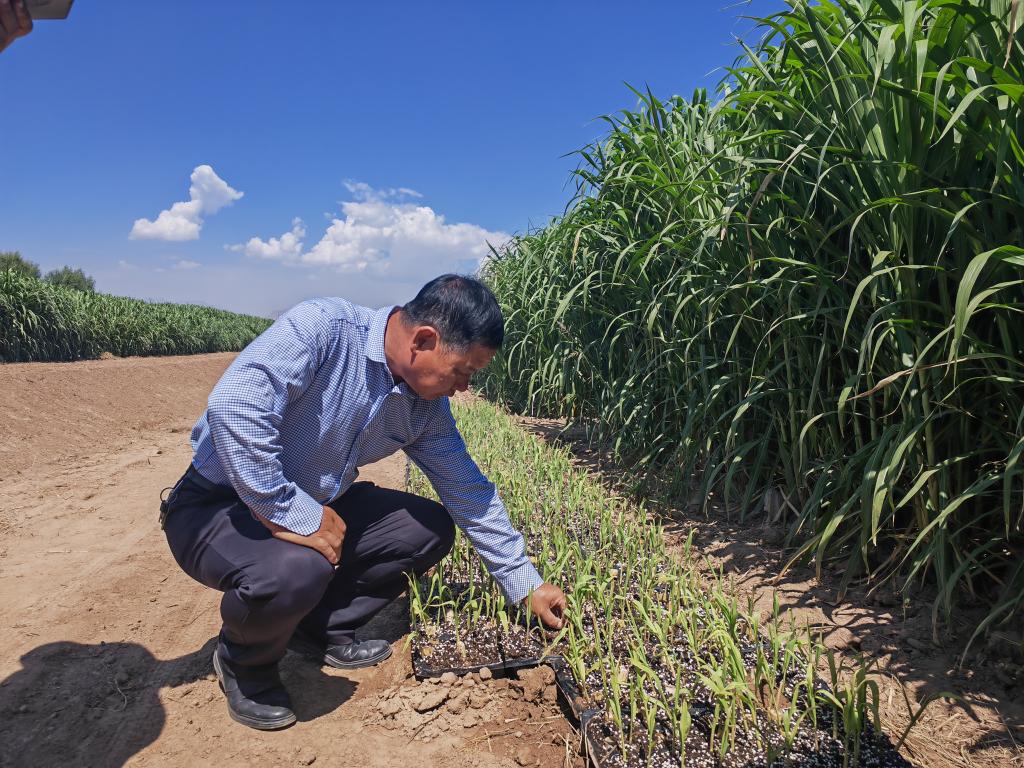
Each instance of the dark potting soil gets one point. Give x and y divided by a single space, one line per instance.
451 649
520 643
488 644
748 750
754 745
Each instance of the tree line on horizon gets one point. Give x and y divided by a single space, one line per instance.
66 277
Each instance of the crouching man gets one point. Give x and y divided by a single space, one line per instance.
269 511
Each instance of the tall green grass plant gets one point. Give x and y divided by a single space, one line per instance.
804 297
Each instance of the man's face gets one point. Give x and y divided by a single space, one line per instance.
440 371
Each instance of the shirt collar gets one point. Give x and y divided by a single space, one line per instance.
375 339
375 346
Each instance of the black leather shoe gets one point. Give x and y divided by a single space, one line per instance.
256 698
361 653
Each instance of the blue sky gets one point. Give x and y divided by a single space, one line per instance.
332 148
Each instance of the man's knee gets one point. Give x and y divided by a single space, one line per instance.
294 580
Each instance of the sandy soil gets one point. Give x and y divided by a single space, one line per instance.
982 728
106 644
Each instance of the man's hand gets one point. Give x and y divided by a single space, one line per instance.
547 602
327 540
14 21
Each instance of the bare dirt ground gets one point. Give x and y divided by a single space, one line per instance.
106 644
984 728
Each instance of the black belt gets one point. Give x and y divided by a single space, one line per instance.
193 476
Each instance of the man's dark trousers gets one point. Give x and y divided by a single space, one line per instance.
271 586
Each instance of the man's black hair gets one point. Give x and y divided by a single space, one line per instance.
461 309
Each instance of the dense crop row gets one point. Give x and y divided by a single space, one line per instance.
40 321
679 672
807 295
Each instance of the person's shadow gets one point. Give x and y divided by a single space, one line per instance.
97 705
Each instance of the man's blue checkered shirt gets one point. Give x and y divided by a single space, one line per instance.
311 400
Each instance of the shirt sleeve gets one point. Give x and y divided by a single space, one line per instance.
473 502
247 405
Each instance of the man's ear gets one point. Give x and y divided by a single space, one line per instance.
425 338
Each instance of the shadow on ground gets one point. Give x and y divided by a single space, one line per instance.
98 705
391 624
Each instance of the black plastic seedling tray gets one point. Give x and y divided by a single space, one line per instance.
590 754
569 690
574 702
422 669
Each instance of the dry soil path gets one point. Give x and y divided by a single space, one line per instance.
106 644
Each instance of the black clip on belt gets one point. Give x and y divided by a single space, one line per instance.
191 474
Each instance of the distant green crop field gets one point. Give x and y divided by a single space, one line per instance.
43 322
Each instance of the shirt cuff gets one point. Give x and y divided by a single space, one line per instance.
303 516
520 582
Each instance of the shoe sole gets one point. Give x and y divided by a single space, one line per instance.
259 725
311 651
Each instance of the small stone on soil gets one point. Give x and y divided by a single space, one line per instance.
486 674
306 756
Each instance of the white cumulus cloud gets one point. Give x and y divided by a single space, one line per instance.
287 247
381 233
208 193
382 246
